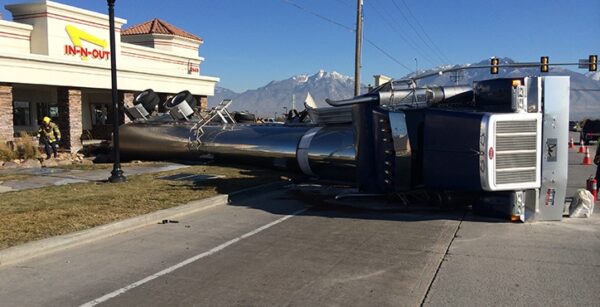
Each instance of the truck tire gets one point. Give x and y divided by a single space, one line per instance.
181 96
244 117
149 100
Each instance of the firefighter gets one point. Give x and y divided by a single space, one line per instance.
49 135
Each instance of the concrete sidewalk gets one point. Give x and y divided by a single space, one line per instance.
44 177
531 264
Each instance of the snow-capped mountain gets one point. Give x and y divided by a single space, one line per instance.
273 97
585 88
593 75
276 95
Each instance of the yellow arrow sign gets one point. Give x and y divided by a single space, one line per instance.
77 35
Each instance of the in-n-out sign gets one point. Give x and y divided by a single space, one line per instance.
77 37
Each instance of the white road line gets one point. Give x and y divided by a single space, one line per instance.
168 270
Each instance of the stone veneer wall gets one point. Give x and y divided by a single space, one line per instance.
7 130
127 101
202 103
70 118
163 98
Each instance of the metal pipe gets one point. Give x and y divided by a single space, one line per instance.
432 95
351 101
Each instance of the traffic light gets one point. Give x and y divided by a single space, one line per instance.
593 62
544 64
494 68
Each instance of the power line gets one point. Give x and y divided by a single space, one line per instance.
388 55
406 39
586 89
415 31
347 28
319 15
425 32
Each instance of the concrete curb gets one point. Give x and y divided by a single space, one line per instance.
46 246
49 245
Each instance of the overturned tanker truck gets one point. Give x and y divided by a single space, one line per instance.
503 141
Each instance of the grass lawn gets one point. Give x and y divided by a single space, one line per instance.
87 167
40 213
15 175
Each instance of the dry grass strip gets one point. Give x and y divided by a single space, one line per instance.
40 213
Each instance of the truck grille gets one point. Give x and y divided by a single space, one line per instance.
516 151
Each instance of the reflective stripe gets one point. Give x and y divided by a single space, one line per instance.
302 151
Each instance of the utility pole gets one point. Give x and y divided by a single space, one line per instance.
359 19
416 70
362 122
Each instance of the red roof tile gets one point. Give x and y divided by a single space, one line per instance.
158 26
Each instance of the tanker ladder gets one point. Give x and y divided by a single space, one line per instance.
221 111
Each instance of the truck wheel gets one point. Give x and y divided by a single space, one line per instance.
182 96
149 100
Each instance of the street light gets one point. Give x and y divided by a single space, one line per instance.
117 172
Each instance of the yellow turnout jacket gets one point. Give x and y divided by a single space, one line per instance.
49 132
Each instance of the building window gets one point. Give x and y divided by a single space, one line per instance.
45 109
21 113
99 114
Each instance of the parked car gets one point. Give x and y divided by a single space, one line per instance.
590 130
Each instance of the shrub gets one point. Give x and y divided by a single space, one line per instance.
27 147
6 153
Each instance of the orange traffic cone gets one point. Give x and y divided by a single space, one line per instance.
586 159
581 147
571 144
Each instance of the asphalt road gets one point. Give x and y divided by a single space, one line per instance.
276 249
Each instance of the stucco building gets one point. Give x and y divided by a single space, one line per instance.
55 61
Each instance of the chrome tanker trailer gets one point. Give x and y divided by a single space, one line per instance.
503 141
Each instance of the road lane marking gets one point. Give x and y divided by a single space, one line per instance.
168 270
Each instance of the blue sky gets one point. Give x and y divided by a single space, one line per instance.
249 43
